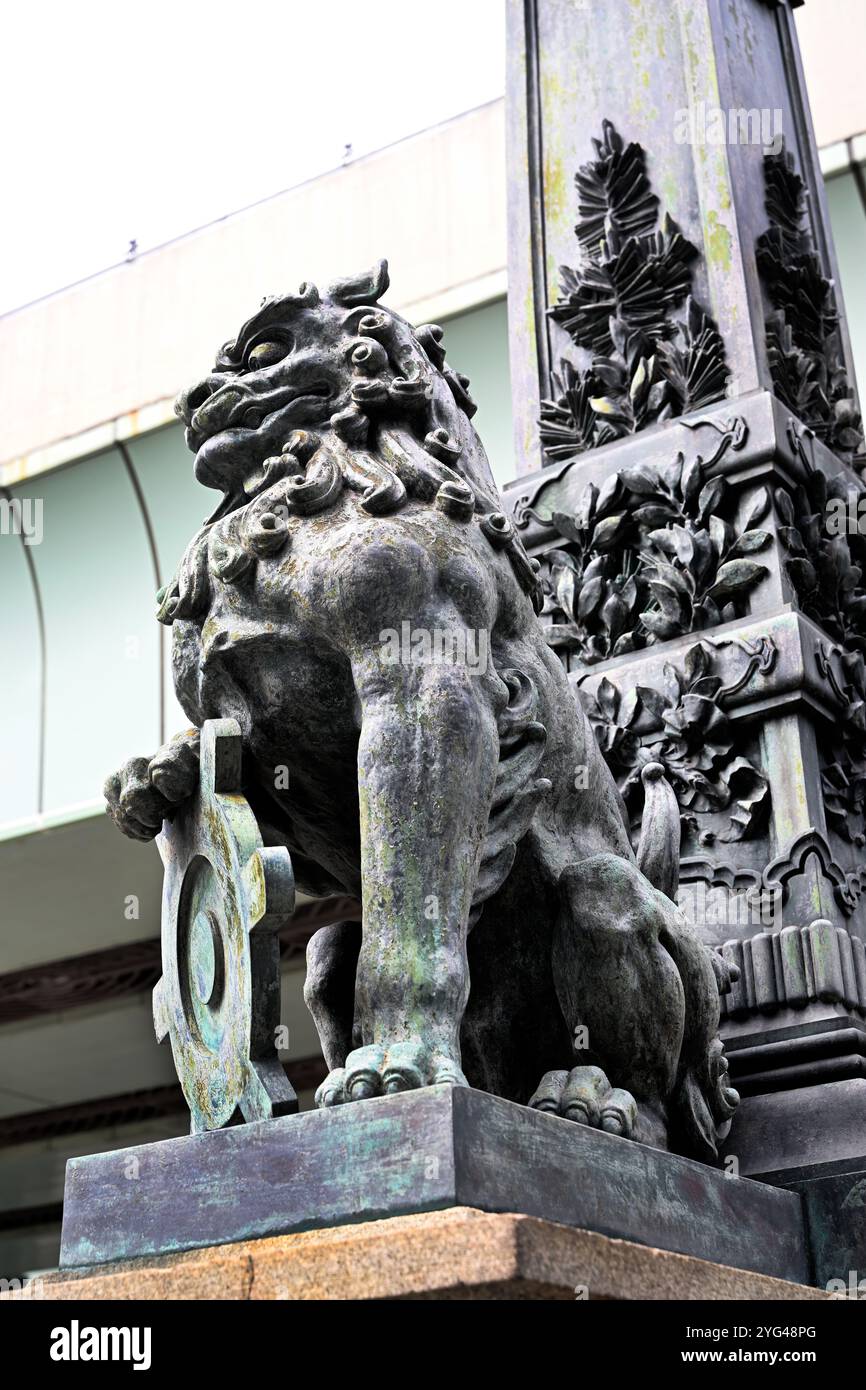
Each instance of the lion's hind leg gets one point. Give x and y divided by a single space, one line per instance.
622 999
704 1101
329 988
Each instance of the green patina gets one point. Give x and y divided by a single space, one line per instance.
793 963
717 242
556 187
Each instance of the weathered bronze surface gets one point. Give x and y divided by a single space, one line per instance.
424 1151
225 896
361 606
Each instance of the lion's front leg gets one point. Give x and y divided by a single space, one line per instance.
427 763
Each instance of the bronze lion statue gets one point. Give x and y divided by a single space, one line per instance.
361 605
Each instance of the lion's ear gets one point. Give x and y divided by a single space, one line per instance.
366 288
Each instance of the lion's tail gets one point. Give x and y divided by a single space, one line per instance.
658 853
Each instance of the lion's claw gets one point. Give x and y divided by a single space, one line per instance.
585 1095
143 793
375 1071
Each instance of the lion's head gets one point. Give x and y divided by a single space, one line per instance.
318 393
328 364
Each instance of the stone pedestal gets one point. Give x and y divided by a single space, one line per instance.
422 1151
458 1253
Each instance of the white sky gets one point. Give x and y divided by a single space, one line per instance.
147 120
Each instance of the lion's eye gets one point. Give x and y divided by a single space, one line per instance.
265 355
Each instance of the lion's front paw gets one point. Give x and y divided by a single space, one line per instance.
144 792
376 1071
585 1095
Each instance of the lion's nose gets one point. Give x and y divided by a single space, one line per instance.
189 401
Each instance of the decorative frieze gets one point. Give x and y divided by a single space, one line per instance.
843 776
652 554
682 724
825 566
796 966
764 896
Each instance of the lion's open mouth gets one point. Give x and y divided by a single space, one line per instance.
236 407
234 432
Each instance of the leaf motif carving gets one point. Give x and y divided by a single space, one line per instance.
647 563
684 727
804 348
654 352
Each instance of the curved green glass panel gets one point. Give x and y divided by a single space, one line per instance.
177 505
20 674
102 673
476 345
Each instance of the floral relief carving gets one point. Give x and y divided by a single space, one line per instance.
681 722
640 363
804 346
825 570
651 554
